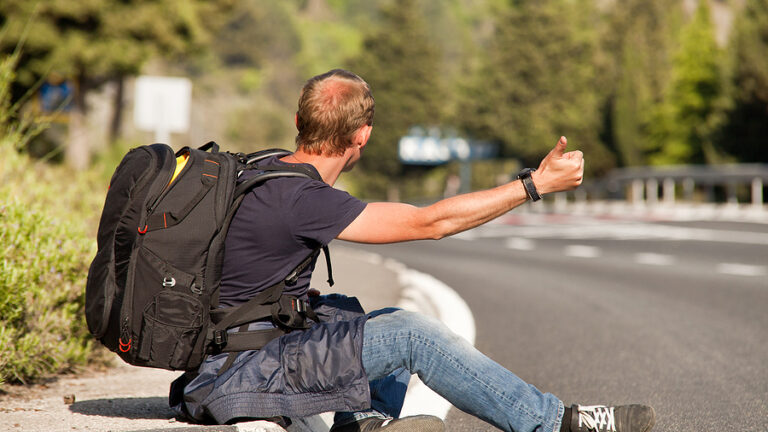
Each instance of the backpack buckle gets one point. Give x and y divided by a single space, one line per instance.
220 337
292 278
299 305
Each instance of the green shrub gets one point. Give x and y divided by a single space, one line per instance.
46 251
47 231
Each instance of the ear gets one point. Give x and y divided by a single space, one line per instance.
296 120
363 135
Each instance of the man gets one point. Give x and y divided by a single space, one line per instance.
328 366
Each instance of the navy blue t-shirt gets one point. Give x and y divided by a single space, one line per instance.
276 227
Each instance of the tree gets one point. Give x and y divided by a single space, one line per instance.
93 42
539 82
255 33
744 135
685 122
402 65
637 43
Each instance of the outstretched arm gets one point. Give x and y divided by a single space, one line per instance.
385 222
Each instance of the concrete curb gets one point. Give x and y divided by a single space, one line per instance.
256 426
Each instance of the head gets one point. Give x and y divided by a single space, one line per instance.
334 108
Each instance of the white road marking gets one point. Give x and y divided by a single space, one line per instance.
741 269
582 251
519 243
649 258
617 230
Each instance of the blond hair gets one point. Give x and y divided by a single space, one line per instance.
332 107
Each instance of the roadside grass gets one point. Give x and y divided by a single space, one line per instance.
47 241
48 217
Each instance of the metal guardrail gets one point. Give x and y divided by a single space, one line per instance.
643 184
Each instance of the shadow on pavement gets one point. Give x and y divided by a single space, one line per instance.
132 408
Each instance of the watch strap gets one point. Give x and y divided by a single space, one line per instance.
530 188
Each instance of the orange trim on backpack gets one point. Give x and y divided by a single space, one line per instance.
145 229
165 224
125 347
208 175
212 161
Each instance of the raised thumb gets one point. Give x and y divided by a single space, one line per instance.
559 149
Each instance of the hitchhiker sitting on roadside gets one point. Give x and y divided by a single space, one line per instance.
328 367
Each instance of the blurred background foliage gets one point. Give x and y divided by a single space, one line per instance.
632 82
636 82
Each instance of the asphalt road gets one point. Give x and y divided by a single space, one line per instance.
674 315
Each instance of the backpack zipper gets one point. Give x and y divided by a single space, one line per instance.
168 185
126 312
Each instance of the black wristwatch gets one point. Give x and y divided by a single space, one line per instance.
530 188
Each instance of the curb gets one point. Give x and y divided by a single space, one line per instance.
255 426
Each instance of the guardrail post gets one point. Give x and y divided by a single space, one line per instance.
730 190
709 191
580 196
668 191
652 191
688 187
757 192
637 192
561 201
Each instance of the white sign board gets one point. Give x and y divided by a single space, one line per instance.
162 105
430 150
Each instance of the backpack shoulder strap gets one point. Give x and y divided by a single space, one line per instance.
294 168
272 171
252 158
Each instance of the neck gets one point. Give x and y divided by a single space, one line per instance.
329 167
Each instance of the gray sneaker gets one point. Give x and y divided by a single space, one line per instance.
600 418
418 423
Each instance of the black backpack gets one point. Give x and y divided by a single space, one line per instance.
153 288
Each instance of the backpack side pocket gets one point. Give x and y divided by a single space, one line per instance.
171 324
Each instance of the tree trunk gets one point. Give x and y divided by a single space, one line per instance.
116 125
77 153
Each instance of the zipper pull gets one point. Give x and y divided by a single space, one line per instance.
125 338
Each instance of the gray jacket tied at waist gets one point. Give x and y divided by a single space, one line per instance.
299 374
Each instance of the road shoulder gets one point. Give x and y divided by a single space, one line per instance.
128 398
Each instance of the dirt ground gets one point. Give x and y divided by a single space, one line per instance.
118 399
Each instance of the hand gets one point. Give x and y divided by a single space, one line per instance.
313 292
559 171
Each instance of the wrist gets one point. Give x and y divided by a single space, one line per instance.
540 183
527 176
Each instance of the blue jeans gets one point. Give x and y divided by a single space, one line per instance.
457 371
387 393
